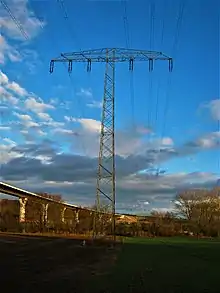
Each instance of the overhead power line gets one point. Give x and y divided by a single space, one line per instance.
181 10
151 41
77 45
126 24
15 20
159 83
174 52
68 23
128 46
152 18
158 86
52 40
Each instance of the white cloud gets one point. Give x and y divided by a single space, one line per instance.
214 107
8 52
23 117
9 89
52 123
3 79
26 120
164 210
127 142
44 116
167 141
5 96
29 103
85 92
13 100
16 88
9 141
206 142
54 101
95 104
29 124
5 152
90 125
144 130
24 131
37 106
41 132
64 183
69 119
5 128
209 141
64 131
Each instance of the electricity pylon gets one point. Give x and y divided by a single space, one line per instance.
106 162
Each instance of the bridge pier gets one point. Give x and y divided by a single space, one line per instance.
63 215
77 216
45 213
23 202
22 214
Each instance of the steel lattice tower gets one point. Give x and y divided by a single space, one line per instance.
106 161
106 164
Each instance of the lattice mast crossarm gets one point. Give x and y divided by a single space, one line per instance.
120 55
106 163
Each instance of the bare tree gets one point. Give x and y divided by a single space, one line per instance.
201 208
187 202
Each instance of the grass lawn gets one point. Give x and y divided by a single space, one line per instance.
160 265
165 265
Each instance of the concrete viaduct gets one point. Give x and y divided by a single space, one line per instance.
24 195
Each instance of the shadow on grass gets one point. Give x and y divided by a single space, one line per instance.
41 264
140 265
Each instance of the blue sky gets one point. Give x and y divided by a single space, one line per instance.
50 123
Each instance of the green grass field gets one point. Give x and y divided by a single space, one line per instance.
161 265
164 265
